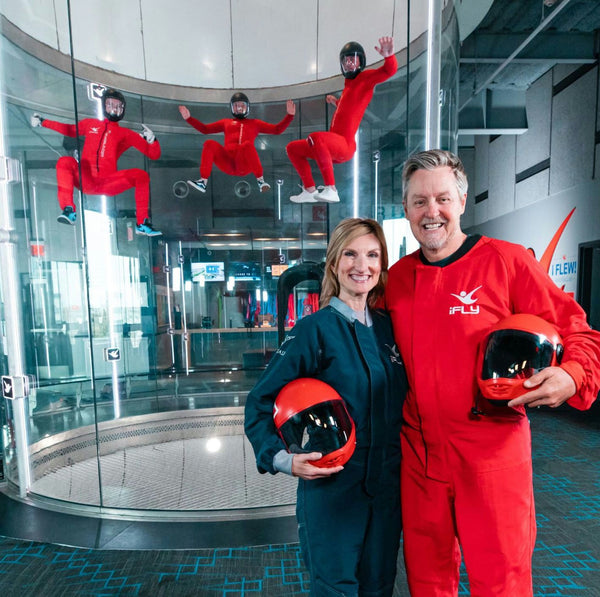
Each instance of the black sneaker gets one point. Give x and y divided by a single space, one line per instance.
68 216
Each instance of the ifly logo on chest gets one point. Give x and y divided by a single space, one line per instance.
467 306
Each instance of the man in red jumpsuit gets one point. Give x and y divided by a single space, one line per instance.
238 156
338 145
467 477
105 141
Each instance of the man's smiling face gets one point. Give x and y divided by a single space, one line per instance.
433 208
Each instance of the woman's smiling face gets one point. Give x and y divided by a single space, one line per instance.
358 268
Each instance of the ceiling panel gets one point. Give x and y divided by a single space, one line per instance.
274 42
189 44
110 42
35 17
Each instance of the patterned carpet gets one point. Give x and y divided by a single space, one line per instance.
566 560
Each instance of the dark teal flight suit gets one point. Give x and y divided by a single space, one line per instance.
349 524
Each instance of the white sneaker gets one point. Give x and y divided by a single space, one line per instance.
199 185
304 197
263 186
328 194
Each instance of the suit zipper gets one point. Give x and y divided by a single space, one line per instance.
99 148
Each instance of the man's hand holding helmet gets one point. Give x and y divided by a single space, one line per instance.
550 387
522 352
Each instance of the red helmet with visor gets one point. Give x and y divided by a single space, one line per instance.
310 416
514 349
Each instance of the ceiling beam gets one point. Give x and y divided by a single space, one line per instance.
525 61
553 46
518 50
495 112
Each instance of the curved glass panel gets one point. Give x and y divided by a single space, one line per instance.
449 84
141 349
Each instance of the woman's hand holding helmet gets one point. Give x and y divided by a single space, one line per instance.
302 467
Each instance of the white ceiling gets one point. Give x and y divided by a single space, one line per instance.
217 44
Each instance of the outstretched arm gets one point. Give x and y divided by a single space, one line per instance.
390 66
68 130
386 46
205 129
277 129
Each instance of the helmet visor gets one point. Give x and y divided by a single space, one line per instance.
515 354
350 63
239 108
113 106
324 428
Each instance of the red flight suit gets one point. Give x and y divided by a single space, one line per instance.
238 156
338 145
466 476
104 143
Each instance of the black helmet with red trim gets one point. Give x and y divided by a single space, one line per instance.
310 416
352 50
113 104
241 98
514 349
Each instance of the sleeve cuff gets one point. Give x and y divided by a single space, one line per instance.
576 371
282 462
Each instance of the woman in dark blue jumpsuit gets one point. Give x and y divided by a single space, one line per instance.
349 519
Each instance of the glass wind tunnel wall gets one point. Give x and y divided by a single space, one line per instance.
131 342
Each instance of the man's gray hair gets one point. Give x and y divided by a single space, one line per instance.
431 159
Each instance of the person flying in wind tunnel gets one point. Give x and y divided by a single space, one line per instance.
238 155
105 142
338 145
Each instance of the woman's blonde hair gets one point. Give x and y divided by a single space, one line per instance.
344 233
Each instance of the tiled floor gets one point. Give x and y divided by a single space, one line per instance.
566 560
